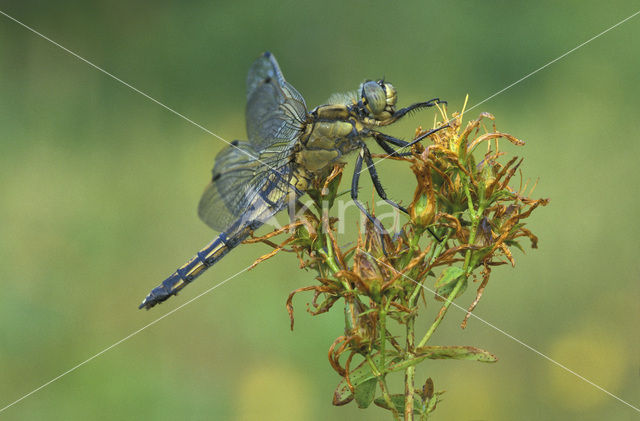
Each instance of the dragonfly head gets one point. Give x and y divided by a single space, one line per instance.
377 98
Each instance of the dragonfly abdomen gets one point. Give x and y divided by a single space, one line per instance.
203 260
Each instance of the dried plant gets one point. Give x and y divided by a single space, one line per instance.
465 218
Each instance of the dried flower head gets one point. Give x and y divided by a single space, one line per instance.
465 218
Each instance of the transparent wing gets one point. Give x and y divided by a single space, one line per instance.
276 112
251 179
245 184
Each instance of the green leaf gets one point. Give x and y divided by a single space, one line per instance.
333 189
342 395
478 255
470 353
349 254
317 197
500 194
430 397
406 363
447 281
513 243
326 304
462 149
448 276
433 402
471 163
365 392
444 353
398 402
361 374
328 197
302 237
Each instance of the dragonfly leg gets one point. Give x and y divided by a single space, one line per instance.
383 140
404 111
427 134
354 196
368 160
388 139
376 183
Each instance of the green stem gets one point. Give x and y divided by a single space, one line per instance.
442 312
413 298
413 243
409 373
331 262
472 239
383 332
475 220
328 255
383 388
472 211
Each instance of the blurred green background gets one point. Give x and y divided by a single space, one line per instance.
99 186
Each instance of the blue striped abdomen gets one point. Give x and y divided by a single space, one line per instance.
202 261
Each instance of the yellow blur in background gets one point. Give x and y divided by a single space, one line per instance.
594 353
273 392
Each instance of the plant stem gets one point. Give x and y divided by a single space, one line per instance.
382 317
383 387
434 254
443 311
475 220
472 211
409 373
328 255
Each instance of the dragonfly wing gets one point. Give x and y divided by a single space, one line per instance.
276 112
245 185
251 179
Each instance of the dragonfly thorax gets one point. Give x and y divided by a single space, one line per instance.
325 142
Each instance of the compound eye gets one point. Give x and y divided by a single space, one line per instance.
373 97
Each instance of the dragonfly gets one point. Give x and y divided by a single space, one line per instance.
287 147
